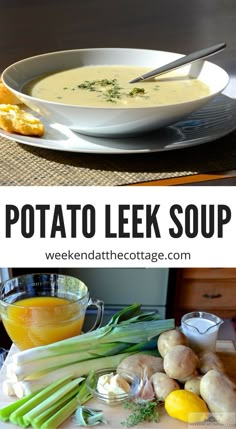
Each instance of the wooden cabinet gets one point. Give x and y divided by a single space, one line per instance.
206 289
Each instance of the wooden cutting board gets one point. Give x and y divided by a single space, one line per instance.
116 414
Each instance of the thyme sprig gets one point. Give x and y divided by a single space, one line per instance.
141 411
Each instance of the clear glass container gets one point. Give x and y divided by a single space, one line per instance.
133 380
201 329
39 309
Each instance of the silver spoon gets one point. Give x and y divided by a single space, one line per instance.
195 56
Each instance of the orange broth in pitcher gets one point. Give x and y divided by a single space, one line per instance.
41 320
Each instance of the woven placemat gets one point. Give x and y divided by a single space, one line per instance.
23 165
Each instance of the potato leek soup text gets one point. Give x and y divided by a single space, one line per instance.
124 221
108 86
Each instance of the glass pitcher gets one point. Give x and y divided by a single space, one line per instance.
201 329
39 309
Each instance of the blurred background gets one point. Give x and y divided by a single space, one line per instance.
33 27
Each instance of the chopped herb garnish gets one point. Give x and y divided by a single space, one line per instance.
106 82
137 91
113 91
111 94
88 85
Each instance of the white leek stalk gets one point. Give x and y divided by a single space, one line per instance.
8 388
74 370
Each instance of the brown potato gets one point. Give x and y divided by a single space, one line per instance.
185 379
169 339
208 361
142 364
219 393
180 362
163 385
193 384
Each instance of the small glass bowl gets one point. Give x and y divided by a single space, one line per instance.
133 380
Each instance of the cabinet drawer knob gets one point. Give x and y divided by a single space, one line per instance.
212 296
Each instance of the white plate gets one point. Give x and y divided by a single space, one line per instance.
213 121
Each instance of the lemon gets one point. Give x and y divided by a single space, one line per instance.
186 406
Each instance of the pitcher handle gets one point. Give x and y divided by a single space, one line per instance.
100 311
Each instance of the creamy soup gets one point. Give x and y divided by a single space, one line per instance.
108 86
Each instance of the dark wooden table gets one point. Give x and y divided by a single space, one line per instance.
31 27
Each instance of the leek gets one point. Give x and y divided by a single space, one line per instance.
129 331
8 387
77 370
136 329
121 335
25 387
18 372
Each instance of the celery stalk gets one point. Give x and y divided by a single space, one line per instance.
60 416
37 421
63 413
17 416
5 412
49 400
82 394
